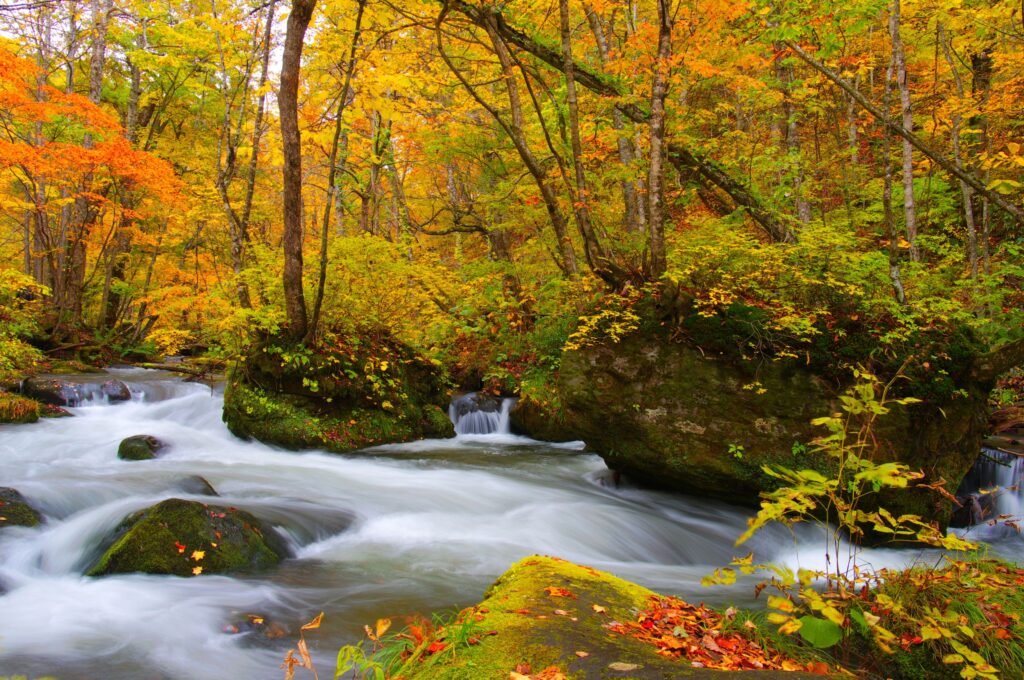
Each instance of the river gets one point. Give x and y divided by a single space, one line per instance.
389 532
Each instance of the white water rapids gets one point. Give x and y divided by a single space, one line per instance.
390 532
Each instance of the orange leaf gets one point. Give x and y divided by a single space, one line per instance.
555 591
315 623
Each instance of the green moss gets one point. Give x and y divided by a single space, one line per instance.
163 540
521 613
17 409
15 510
139 447
352 392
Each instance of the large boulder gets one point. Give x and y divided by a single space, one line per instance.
546 614
15 510
60 392
187 538
358 390
139 447
540 419
52 391
670 415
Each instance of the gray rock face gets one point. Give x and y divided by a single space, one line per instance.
59 392
197 486
665 414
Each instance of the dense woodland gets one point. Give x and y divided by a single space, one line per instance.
473 190
478 177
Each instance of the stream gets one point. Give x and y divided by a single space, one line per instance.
392 531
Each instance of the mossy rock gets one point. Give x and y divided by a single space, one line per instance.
17 409
15 510
358 389
164 539
671 415
139 447
539 420
518 625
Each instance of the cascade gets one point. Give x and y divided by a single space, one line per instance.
473 413
992 488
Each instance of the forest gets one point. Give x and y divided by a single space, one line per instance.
765 259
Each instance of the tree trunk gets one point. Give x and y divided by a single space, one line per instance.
630 188
890 218
939 159
899 59
597 257
656 174
333 171
966 193
288 95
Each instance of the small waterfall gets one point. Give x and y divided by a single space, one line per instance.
994 487
474 413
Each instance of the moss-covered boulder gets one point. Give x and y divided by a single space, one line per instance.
544 613
671 415
15 510
139 447
188 538
357 389
540 419
15 408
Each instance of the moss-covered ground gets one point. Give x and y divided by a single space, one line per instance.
546 613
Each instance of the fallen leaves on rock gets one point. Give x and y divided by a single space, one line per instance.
522 672
681 630
555 591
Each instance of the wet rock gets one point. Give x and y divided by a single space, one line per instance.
473 402
115 390
197 486
52 391
188 538
139 447
59 392
51 411
257 626
15 510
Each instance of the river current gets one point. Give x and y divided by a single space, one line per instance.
392 531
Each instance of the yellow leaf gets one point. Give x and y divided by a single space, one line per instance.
315 623
198 555
833 615
791 626
382 626
196 571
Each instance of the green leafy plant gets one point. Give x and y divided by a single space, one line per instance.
826 607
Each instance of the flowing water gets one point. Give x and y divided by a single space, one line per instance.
390 532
